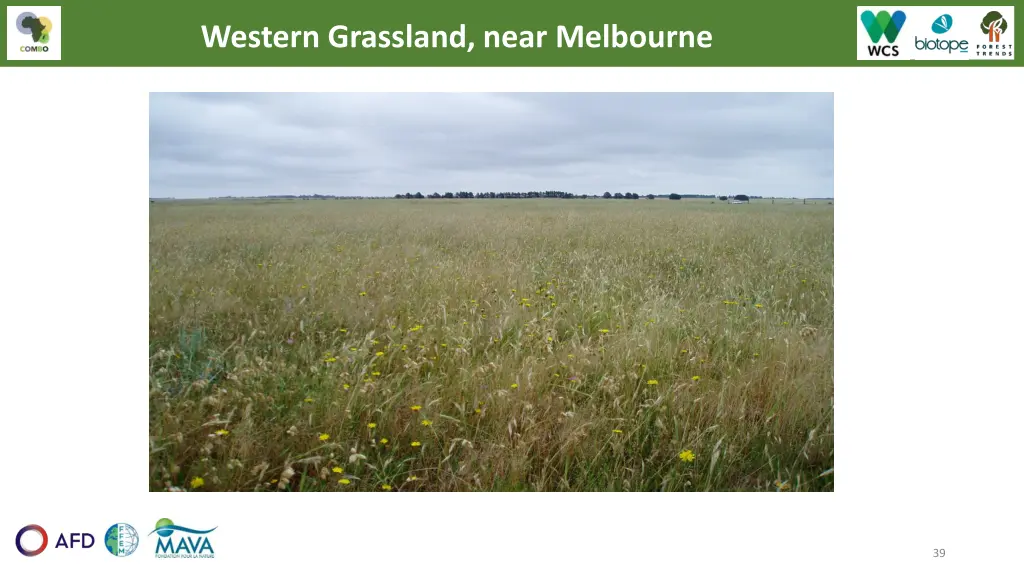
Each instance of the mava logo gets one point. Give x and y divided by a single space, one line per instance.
942 24
121 539
38 27
29 551
195 546
994 24
883 24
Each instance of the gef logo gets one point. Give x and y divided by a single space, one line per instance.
883 24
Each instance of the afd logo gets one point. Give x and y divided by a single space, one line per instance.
883 24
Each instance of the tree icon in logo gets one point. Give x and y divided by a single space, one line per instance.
39 27
883 23
994 24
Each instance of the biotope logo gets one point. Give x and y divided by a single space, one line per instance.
72 540
994 25
186 546
33 32
941 25
883 24
121 539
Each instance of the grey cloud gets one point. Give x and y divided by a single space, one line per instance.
220 144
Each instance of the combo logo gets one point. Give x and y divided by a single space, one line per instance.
883 24
73 540
33 32
941 25
994 25
121 539
38 27
186 545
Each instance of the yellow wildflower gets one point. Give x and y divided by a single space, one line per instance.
344 481
197 482
383 440
379 354
337 470
308 400
617 431
371 425
426 422
415 444
385 487
325 437
416 408
695 378
515 385
222 432
652 381
686 456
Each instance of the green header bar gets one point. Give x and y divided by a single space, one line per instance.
662 33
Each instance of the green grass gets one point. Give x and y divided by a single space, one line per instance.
651 328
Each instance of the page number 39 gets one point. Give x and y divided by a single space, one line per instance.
938 552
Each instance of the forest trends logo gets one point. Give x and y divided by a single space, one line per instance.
994 25
186 546
883 24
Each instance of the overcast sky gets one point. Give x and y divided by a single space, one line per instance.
255 144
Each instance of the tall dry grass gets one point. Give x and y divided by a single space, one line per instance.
548 345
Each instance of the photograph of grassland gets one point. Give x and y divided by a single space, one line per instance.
483 344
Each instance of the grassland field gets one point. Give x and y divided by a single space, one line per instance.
513 345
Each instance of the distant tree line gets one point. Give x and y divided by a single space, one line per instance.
483 195
553 194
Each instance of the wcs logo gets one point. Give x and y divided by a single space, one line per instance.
883 24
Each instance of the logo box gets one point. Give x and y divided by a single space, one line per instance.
33 32
948 33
